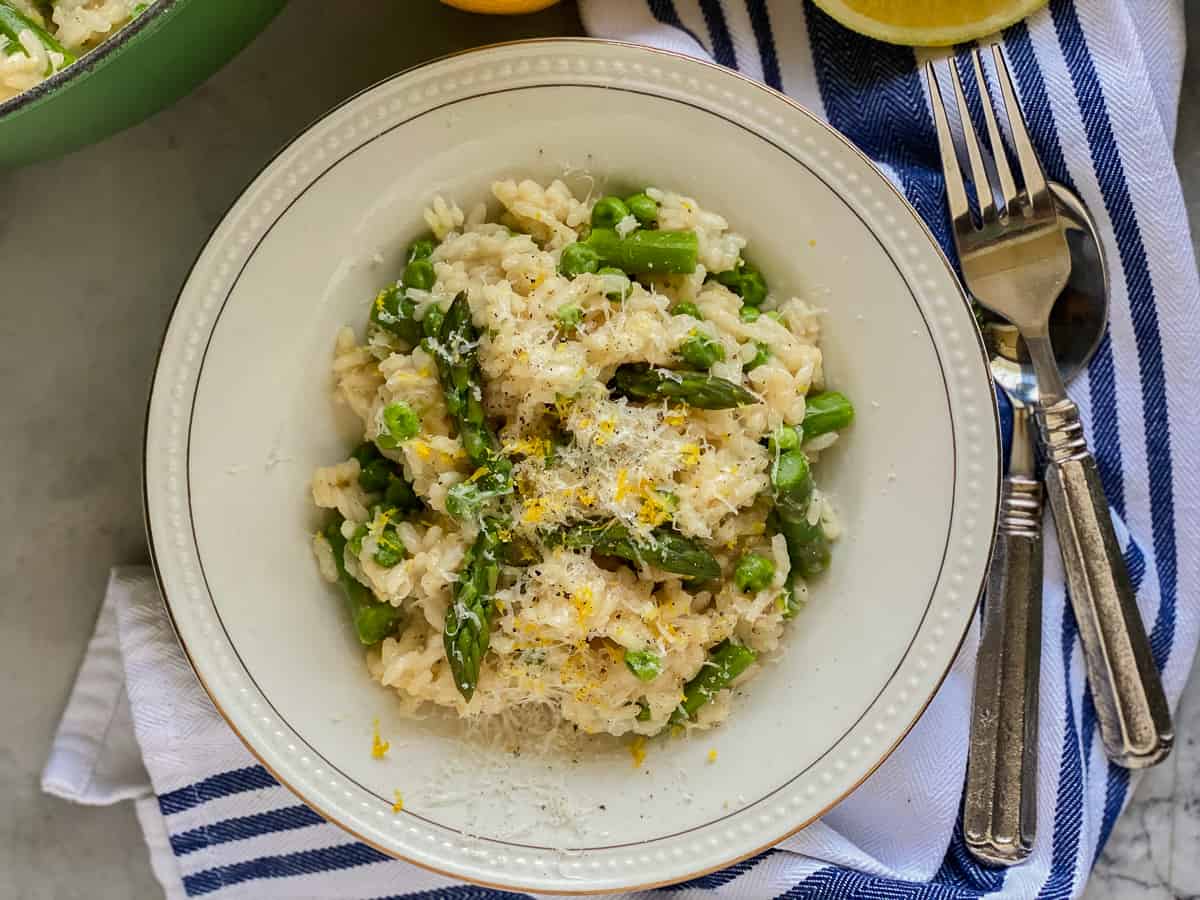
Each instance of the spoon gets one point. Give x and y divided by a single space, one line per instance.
1000 809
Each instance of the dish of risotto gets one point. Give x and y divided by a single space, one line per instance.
586 478
41 37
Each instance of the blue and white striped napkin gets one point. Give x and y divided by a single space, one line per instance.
1100 83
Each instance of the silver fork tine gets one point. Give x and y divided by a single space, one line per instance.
1031 168
956 192
979 174
1008 187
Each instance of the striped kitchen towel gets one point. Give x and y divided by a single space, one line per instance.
1099 81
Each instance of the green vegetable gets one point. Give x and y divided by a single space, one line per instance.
687 308
421 248
700 351
376 475
791 480
646 252
578 258
788 603
469 616
616 282
749 313
725 663
774 315
608 211
400 423
643 207
753 573
419 274
783 438
645 664
399 494
643 713
12 23
824 412
665 549
457 356
762 354
640 381
356 540
466 499
373 620
745 281
396 313
431 325
569 315
808 548
389 550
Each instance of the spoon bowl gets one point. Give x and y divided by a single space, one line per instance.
1079 317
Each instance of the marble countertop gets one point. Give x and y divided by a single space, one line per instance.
70 476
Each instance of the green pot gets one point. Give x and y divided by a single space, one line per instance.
156 59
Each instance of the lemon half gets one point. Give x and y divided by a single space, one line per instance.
500 7
928 23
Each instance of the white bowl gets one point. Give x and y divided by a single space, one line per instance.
242 412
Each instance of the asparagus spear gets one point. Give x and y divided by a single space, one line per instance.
646 252
665 549
455 351
808 548
643 382
373 619
12 23
725 663
469 617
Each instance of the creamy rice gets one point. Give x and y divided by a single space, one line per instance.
562 623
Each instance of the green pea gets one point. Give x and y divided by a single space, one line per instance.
776 315
788 603
643 207
608 211
419 274
753 573
431 325
783 438
389 549
375 475
645 664
421 248
400 422
569 315
687 308
761 355
700 351
399 493
749 313
577 259
617 280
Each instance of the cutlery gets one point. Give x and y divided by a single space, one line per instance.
1016 262
1000 806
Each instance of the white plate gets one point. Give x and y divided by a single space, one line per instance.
241 413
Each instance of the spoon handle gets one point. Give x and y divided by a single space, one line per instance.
1000 807
1132 712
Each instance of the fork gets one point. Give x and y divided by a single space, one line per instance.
1015 261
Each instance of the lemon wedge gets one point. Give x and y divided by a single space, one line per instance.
928 23
500 7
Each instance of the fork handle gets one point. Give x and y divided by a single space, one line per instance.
1000 806
1131 710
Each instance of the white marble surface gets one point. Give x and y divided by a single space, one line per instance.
138 206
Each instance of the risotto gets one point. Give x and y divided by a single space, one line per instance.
585 483
40 37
